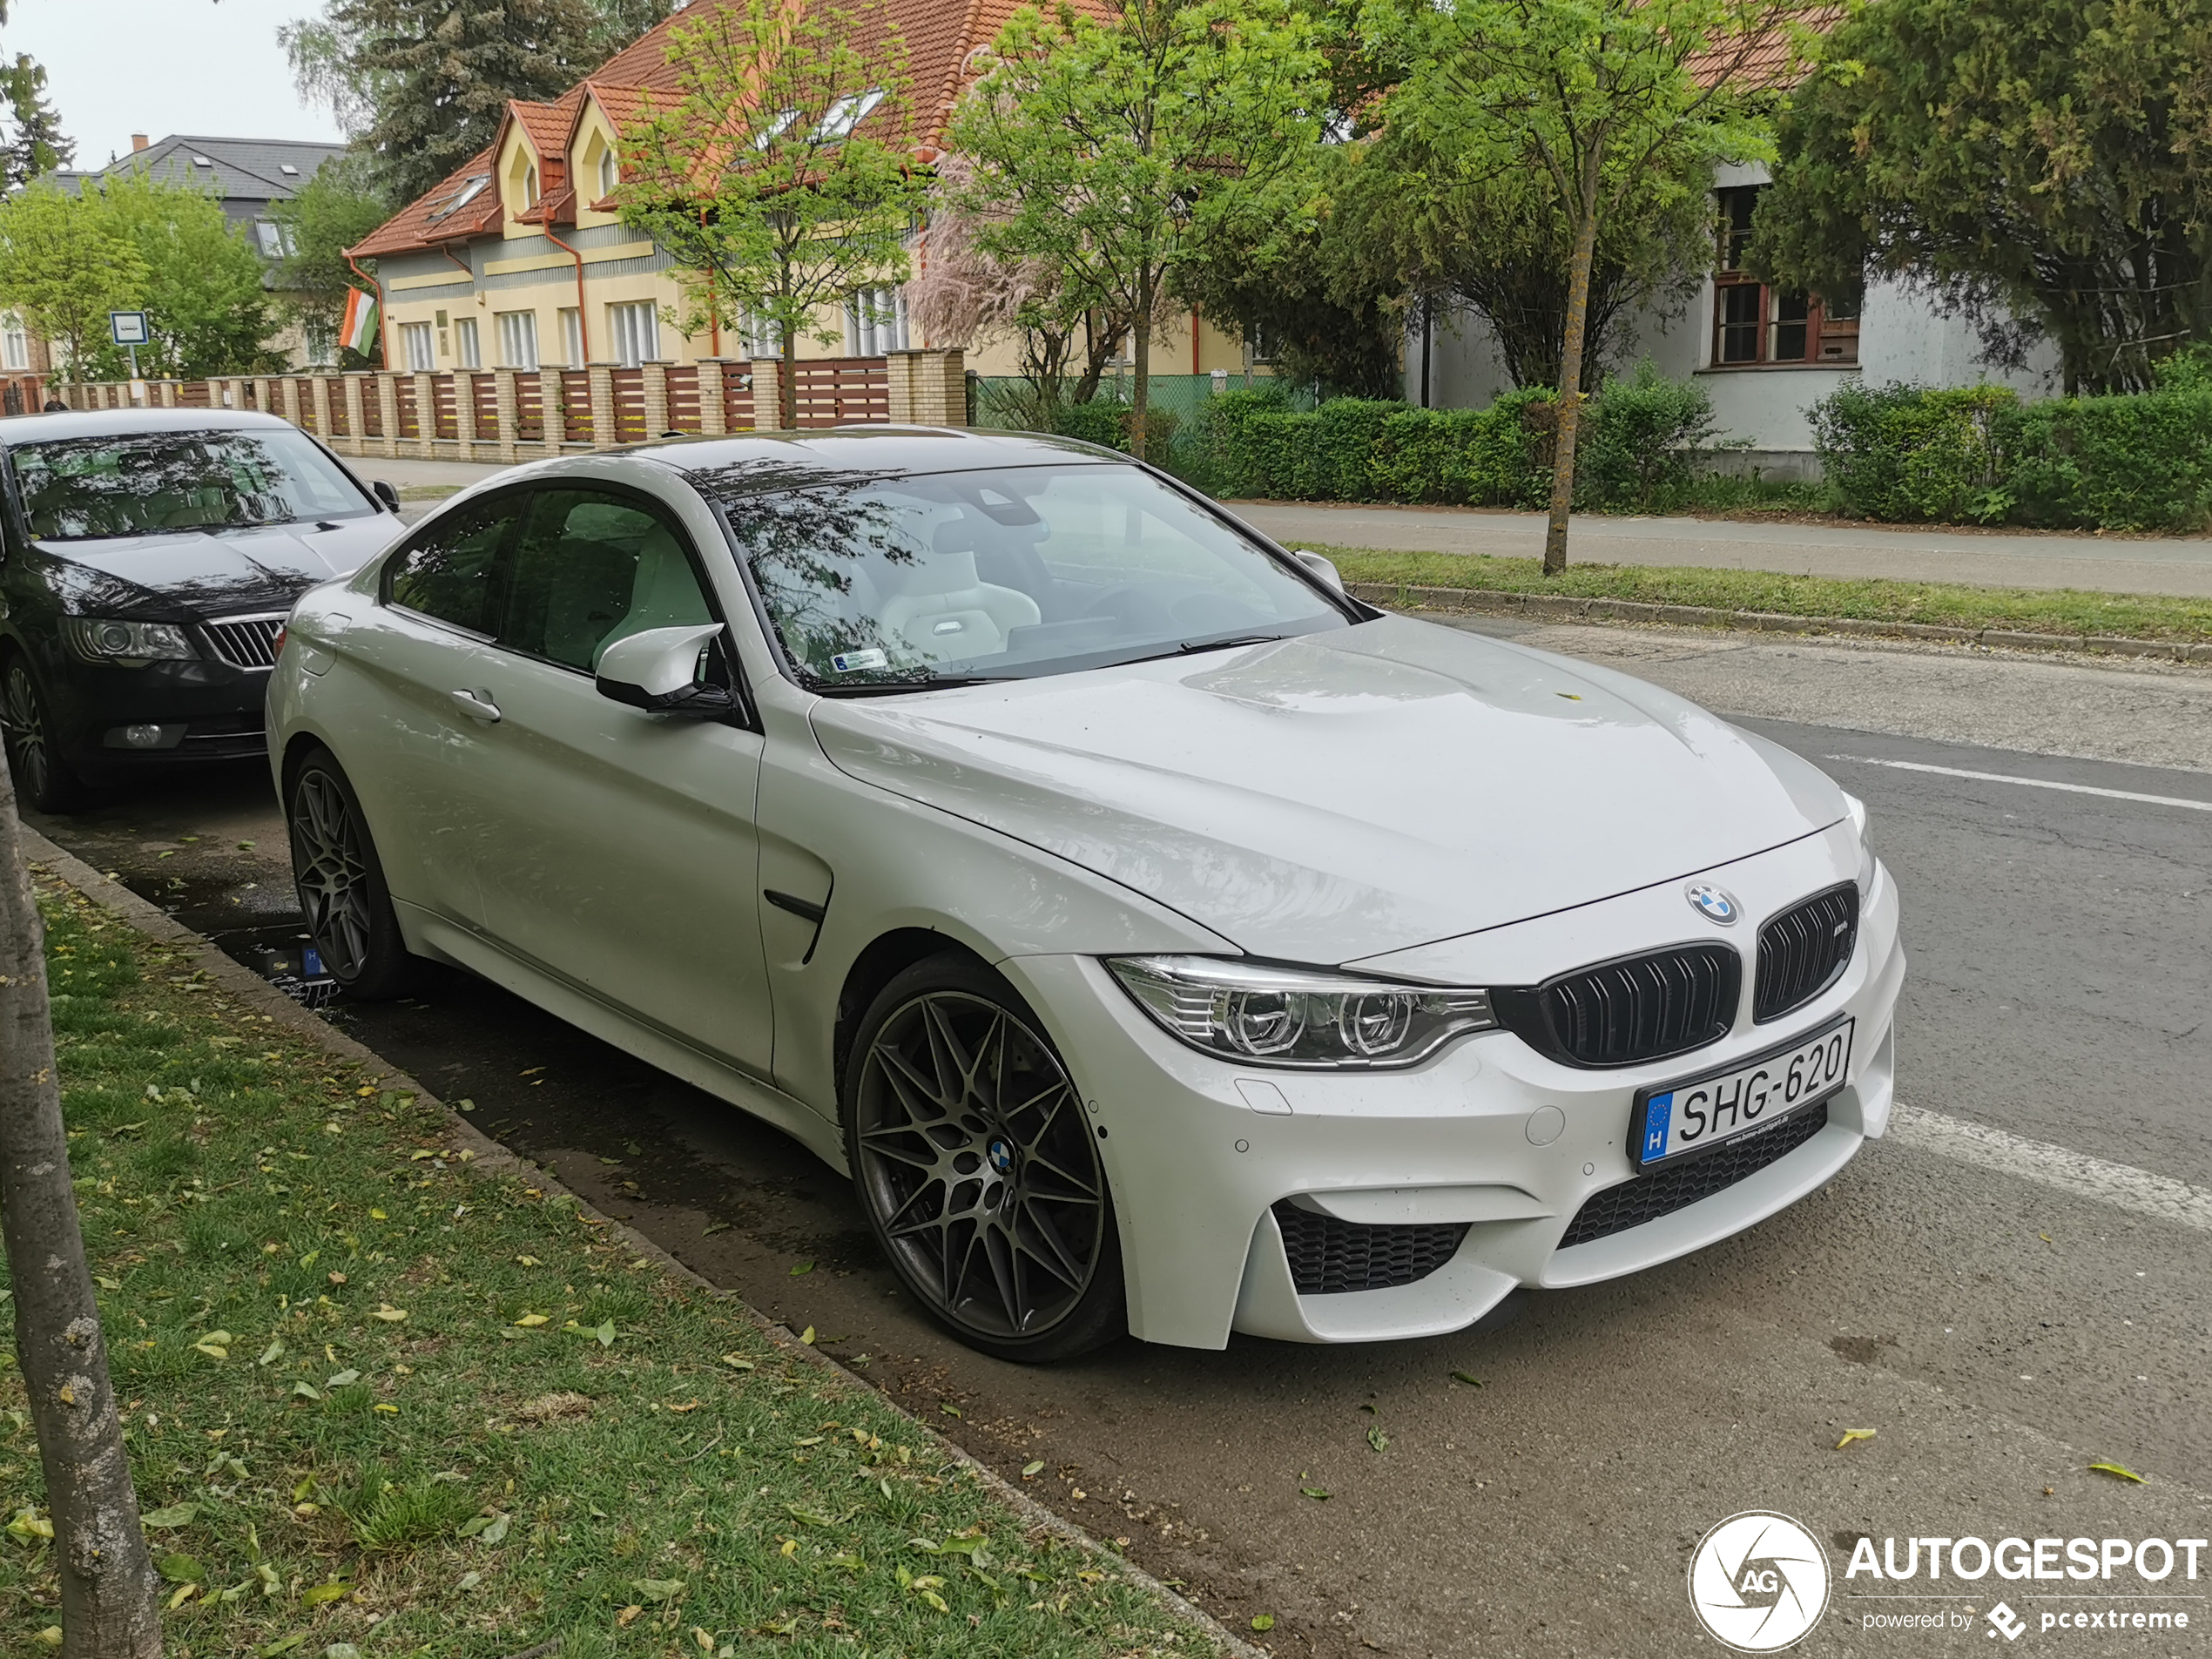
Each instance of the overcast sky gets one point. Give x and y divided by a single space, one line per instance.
210 68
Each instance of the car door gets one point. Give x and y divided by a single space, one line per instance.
396 710
624 857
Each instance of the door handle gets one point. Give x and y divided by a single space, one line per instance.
478 706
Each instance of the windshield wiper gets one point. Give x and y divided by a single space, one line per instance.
935 683
1189 646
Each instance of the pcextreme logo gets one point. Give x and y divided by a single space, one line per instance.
1758 1582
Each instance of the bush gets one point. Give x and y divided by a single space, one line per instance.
1901 452
1252 444
1642 441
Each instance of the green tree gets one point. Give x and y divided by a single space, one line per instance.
423 84
63 266
1612 109
1114 149
203 295
333 212
777 176
2046 165
30 136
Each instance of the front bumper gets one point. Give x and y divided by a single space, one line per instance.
219 708
1490 1133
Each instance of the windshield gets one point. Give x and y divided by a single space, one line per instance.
146 483
1013 573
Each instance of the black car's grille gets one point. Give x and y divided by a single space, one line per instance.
1328 1256
1637 1008
1804 951
247 642
1676 1186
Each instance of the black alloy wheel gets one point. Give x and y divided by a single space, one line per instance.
44 781
977 1164
341 883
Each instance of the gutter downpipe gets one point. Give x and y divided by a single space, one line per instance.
583 316
383 323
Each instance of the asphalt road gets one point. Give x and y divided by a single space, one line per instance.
1998 1331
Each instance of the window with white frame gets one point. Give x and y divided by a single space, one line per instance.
572 335
518 339
15 343
839 120
761 336
468 350
274 243
323 344
875 322
417 350
633 333
610 172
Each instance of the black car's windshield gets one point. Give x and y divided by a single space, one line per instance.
144 483
1015 572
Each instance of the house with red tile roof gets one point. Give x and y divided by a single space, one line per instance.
520 259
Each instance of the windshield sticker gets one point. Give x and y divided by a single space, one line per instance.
852 661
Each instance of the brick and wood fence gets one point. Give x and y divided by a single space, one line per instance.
508 415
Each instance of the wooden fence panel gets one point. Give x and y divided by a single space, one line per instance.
576 405
341 420
445 422
840 391
737 397
684 399
483 389
410 417
372 409
529 409
630 405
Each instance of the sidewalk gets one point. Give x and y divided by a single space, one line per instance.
1911 553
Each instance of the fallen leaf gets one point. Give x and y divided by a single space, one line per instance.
627 1616
949 1411
1262 1621
216 1343
714 1227
497 1533
528 1261
2118 1471
801 1267
306 1391
1376 1438
50 1638
1468 1378
386 1405
389 1314
271 1354
342 1379
533 1321
177 1514
1029 1470
180 1569
1314 1492
738 1362
658 1589
106 1282
1850 1435
282 1645
808 1516
29 1524
378 1215
322 1593
807 1336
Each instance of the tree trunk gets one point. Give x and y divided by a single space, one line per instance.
1570 374
786 382
110 1607
1140 344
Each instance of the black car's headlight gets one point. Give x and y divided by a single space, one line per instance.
1267 1015
100 639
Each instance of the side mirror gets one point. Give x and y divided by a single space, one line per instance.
657 670
387 493
1321 567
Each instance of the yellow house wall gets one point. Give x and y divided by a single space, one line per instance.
593 134
1171 352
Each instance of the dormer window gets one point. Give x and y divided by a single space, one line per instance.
847 113
778 125
529 188
610 172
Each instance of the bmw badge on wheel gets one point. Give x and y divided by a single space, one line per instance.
1758 1582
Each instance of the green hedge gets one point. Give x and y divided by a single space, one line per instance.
1909 453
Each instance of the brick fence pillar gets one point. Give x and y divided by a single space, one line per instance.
357 413
655 379
553 430
426 416
603 404
387 411
767 395
465 412
714 412
319 389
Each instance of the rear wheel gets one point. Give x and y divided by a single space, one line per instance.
342 895
977 1167
43 780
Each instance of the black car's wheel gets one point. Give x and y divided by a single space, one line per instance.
977 1167
342 895
43 780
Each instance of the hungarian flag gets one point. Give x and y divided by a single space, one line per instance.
358 332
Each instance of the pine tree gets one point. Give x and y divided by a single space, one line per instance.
437 74
33 143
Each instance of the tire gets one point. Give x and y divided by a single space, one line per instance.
43 780
341 883
977 1167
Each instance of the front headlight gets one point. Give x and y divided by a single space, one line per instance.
1866 861
98 639
1267 1016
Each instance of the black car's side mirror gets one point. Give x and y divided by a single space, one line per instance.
386 493
657 670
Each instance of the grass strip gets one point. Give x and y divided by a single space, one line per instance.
2043 611
378 1405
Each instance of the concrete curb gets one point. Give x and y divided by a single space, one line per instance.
1561 608
489 1156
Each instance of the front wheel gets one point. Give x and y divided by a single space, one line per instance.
341 883
976 1165
43 780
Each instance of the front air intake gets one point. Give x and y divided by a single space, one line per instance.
1804 951
1328 1257
1636 1009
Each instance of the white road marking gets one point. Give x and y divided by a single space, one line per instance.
2157 1196
2031 783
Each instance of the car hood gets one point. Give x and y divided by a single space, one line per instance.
204 574
1346 793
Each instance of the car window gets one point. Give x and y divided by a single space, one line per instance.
446 572
592 567
146 483
879 583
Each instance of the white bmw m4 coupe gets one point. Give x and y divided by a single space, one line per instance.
1162 940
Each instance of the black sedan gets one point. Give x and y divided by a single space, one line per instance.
148 559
